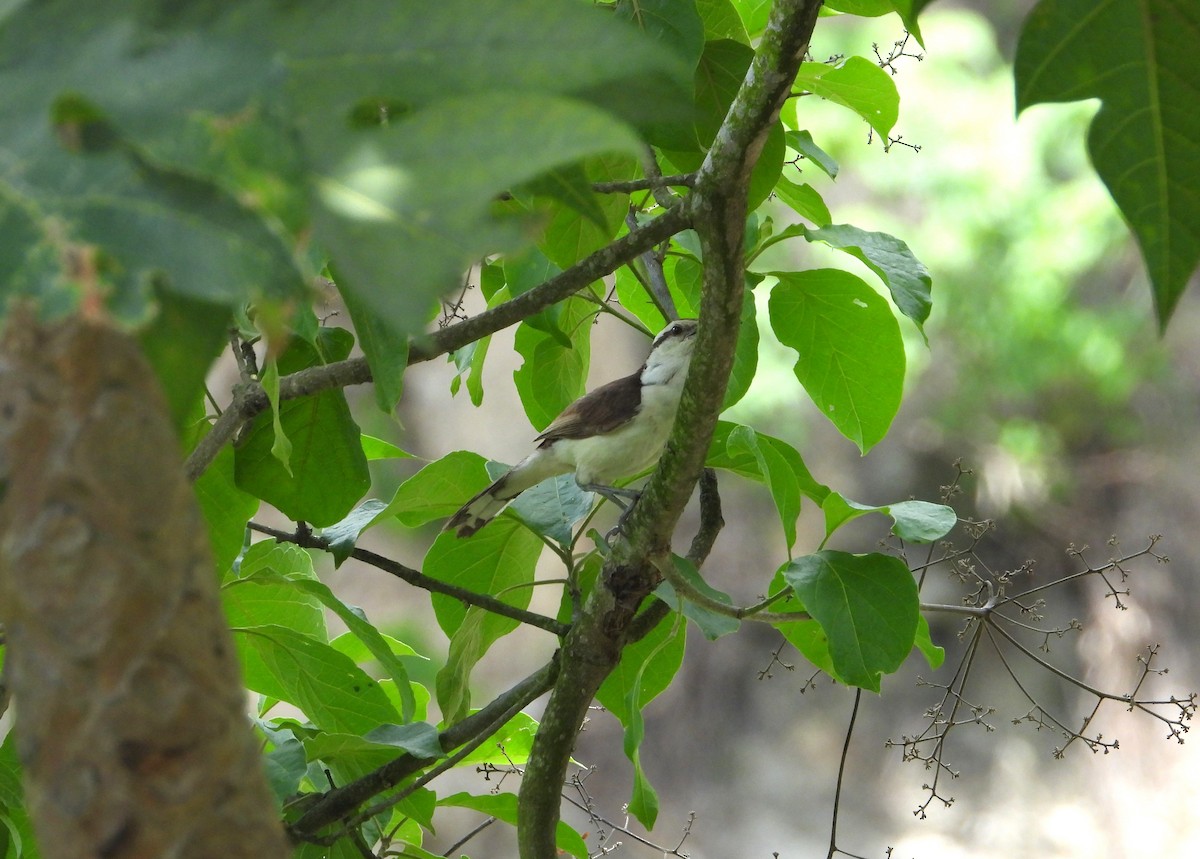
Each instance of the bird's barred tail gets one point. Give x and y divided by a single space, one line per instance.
485 506
481 509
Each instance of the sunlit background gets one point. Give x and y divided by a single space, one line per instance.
1045 376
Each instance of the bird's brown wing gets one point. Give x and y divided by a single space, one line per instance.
598 412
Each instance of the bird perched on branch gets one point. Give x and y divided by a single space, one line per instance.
615 431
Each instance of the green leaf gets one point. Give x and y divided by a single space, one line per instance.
356 621
553 506
285 766
180 343
343 535
418 738
867 605
649 665
554 375
328 469
904 275
226 508
281 445
718 76
570 235
500 561
809 638
645 669
802 141
745 356
437 490
376 449
636 300
384 345
913 521
721 21
921 521
503 806
780 479
711 623
858 84
349 756
933 654
18 828
510 745
1139 60
416 196
568 185
741 459
876 8
851 354
328 687
754 14
804 201
262 591
674 23
94 177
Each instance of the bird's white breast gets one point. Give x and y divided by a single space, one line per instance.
633 447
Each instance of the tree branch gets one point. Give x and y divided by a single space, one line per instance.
308 540
342 801
251 400
718 204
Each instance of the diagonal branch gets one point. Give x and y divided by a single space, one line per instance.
308 540
250 400
342 801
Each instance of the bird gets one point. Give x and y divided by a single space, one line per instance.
615 431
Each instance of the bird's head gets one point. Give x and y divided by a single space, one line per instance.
672 350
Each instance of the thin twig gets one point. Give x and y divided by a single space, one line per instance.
837 791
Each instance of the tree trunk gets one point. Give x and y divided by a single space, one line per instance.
131 723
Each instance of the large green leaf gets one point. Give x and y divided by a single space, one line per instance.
1138 58
437 490
500 561
576 230
181 342
226 508
328 471
674 23
875 8
721 21
384 345
158 195
90 173
780 478
740 458
332 691
415 197
868 607
554 373
913 521
719 76
260 591
851 354
905 276
858 84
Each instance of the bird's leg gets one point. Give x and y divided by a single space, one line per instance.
622 497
